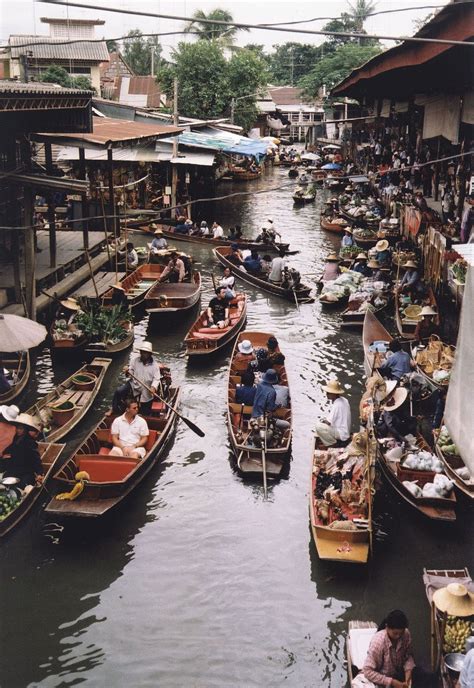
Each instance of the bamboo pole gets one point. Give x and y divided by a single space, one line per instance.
92 273
105 225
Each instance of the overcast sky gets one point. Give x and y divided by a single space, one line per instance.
23 17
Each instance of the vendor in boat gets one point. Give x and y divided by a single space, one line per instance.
159 242
64 324
21 459
217 231
383 255
119 297
278 265
395 420
426 327
147 370
228 281
328 211
265 402
129 433
410 283
218 310
360 265
8 415
175 271
390 661
337 427
398 364
253 263
131 256
245 392
347 239
331 269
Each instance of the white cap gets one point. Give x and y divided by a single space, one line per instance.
9 412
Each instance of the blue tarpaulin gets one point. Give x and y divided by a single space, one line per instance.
237 145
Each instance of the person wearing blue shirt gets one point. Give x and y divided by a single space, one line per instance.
182 227
360 265
265 398
398 364
383 256
253 262
245 393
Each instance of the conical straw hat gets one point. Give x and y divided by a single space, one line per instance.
455 599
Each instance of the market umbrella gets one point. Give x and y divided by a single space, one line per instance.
332 146
331 166
310 156
19 334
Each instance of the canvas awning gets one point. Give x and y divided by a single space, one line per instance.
140 154
223 142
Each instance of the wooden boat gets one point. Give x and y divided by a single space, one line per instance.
328 303
318 176
293 173
249 244
203 341
351 318
137 284
66 346
451 463
428 376
360 220
364 242
357 645
373 331
249 460
333 544
49 454
433 580
307 197
111 478
18 365
242 175
336 227
407 326
65 406
302 294
435 508
400 258
111 348
167 298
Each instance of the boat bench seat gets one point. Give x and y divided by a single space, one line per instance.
158 407
104 451
106 470
209 333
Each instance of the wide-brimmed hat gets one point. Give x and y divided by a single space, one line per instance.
29 421
271 377
245 347
455 599
361 256
158 231
410 264
382 245
395 400
333 200
71 304
373 264
333 387
145 346
332 257
329 202
10 413
118 286
427 310
385 390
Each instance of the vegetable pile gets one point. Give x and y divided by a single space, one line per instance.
8 502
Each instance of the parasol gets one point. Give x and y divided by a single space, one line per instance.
310 156
331 166
331 146
19 334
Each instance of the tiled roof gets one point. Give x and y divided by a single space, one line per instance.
19 87
46 48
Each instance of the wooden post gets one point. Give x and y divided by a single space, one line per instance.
174 168
30 254
110 170
84 203
436 172
51 208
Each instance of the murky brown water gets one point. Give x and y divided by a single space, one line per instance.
196 581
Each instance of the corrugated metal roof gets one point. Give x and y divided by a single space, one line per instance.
139 154
46 48
40 88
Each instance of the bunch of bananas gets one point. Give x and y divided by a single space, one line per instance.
456 633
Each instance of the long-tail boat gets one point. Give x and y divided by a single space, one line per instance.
137 284
111 478
406 321
338 227
249 458
18 366
301 294
167 298
62 408
202 340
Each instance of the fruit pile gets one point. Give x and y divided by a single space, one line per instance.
8 502
456 633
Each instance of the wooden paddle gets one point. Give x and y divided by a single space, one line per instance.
188 422
264 460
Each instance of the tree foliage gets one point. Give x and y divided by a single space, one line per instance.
137 52
224 33
360 10
112 45
247 74
291 61
55 74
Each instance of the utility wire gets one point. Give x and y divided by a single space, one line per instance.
370 14
240 25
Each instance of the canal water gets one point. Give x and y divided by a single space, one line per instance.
197 581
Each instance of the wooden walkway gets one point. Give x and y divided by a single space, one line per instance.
103 281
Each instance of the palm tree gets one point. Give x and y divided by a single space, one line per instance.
225 33
360 11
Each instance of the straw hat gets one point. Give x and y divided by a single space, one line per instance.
427 310
361 256
396 399
358 444
145 346
382 245
333 387
455 599
10 413
389 385
158 232
333 200
245 347
410 264
71 304
118 286
332 257
348 188
29 421
373 264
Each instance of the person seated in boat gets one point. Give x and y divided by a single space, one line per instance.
331 268
245 392
383 255
8 415
395 420
218 310
129 433
282 395
328 211
181 226
426 326
398 364
245 352
175 271
159 242
228 281
217 231
119 297
131 256
265 399
238 232
204 229
232 235
236 256
360 265
347 239
279 263
147 370
65 325
253 263
21 459
410 283
336 428
304 179
266 264
291 279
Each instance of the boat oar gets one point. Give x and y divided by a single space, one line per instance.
264 459
296 298
188 422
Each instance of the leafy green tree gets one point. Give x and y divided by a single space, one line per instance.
291 61
112 46
247 75
224 33
336 66
138 52
344 23
83 83
360 11
55 74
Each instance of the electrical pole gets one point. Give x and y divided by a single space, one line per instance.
174 167
232 110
